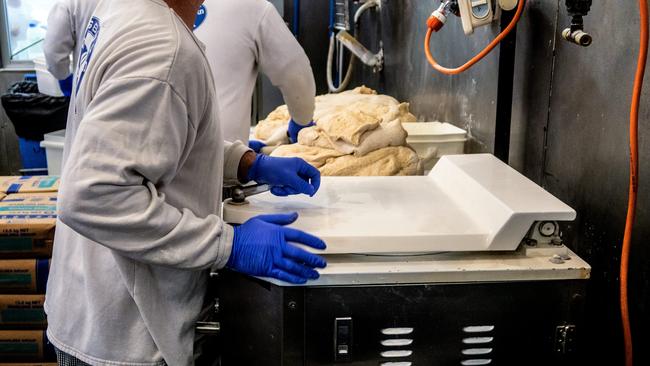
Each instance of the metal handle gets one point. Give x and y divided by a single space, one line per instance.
208 328
238 194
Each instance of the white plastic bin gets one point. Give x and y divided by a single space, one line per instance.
431 140
47 83
53 145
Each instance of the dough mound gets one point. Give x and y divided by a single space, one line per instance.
357 133
361 100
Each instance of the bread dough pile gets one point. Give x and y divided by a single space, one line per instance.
357 133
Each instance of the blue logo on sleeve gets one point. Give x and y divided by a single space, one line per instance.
200 16
86 53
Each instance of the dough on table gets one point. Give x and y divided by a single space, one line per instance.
316 156
387 134
357 133
388 161
361 99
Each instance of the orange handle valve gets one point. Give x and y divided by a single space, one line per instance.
478 57
438 18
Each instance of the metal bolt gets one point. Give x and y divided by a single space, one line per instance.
556 241
292 305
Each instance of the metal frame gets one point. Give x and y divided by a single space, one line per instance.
505 79
5 52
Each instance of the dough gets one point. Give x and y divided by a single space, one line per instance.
388 161
316 156
387 134
348 125
357 133
361 100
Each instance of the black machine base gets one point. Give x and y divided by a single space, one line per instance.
507 323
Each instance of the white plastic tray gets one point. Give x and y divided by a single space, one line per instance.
466 203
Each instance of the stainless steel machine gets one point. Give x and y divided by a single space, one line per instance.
462 267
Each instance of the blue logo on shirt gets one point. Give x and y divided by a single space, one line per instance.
200 17
86 53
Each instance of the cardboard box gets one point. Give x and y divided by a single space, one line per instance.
25 346
27 222
28 184
24 276
22 312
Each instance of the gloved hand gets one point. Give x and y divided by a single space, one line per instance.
66 86
256 145
294 128
286 176
261 248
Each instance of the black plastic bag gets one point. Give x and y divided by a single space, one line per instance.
34 114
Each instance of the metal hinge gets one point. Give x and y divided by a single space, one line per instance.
565 339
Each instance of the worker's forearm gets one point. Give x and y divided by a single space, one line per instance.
234 162
245 164
299 91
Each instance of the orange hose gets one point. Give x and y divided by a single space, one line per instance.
480 55
634 177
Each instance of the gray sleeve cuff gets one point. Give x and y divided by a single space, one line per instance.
60 71
225 247
233 153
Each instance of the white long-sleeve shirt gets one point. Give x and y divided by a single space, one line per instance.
242 38
66 23
140 193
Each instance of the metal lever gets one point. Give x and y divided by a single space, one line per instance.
237 194
208 328
376 61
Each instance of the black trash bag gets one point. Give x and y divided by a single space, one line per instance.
34 114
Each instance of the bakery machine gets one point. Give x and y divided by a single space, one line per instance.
465 266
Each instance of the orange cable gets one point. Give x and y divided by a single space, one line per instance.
634 178
480 55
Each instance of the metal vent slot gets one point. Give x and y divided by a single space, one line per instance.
478 340
478 329
396 342
396 363
477 362
396 331
476 351
396 354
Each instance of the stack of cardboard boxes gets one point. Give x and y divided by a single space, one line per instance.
27 222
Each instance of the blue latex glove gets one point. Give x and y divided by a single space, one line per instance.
66 86
294 128
256 145
261 248
286 176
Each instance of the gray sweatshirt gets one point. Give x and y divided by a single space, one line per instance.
144 161
242 38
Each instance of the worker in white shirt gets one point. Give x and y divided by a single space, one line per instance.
138 225
66 23
242 38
